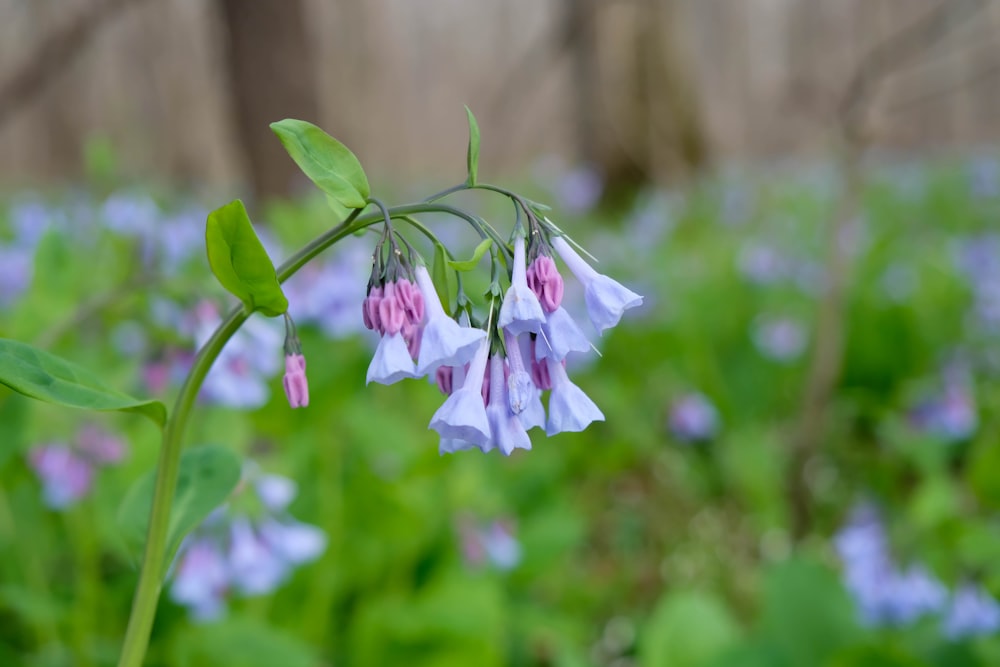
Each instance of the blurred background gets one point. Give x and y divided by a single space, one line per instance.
799 463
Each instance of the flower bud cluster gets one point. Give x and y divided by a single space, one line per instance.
494 372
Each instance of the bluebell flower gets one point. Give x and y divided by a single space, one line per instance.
781 339
444 342
506 431
462 416
570 409
16 270
521 312
606 298
561 335
201 581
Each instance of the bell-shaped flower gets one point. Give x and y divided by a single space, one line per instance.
569 408
392 361
561 335
507 431
463 416
296 542
521 311
606 299
545 281
253 565
444 341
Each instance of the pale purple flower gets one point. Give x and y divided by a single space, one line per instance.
693 418
294 381
202 579
66 476
561 335
520 389
579 189
324 292
239 376
392 361
444 342
462 416
570 409
131 215
521 311
275 491
254 567
100 446
506 430
952 416
972 612
295 542
31 218
762 264
911 595
606 299
984 177
779 338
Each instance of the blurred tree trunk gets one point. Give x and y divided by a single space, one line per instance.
581 38
272 76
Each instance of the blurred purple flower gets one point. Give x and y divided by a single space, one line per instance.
779 338
984 177
16 269
971 612
234 551
66 476
952 415
884 594
762 264
579 189
326 293
693 418
490 543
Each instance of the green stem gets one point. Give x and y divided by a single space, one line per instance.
154 560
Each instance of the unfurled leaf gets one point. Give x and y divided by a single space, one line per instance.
327 162
46 377
440 275
207 476
477 254
473 152
239 261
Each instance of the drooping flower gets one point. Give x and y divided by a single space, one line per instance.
569 408
507 432
445 342
392 361
606 299
202 579
561 335
463 416
521 311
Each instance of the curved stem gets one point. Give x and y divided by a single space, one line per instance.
154 561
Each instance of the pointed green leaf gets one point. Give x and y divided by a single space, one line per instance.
440 274
327 162
49 378
472 156
207 476
477 254
239 261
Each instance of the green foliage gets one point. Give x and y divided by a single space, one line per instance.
46 377
207 476
327 162
239 261
477 254
687 629
472 155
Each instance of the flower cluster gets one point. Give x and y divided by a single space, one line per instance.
67 470
249 546
888 596
493 373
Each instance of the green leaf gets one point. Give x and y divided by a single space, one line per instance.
807 613
207 476
687 629
477 254
49 378
472 157
327 162
242 642
239 261
440 276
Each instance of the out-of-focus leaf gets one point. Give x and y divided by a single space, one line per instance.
241 642
472 156
46 377
687 629
239 261
207 476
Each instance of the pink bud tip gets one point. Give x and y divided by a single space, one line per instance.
296 385
545 281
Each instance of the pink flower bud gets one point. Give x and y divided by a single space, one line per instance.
539 371
391 311
411 299
296 385
443 378
545 281
369 309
